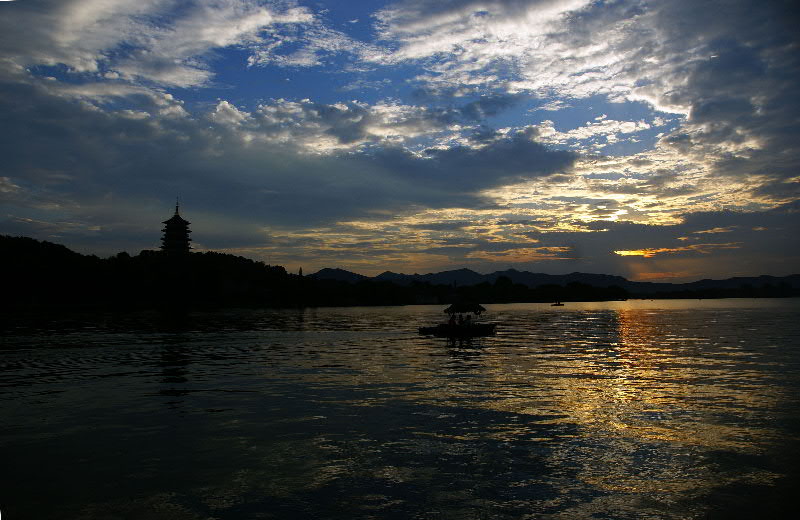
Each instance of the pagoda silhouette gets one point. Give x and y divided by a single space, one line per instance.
176 234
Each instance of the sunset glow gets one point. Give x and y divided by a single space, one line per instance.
699 248
549 136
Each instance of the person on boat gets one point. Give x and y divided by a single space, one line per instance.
460 319
468 320
452 321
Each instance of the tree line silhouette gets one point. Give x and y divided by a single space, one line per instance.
42 274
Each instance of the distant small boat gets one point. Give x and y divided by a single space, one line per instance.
556 304
461 328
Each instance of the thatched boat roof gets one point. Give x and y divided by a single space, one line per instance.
463 308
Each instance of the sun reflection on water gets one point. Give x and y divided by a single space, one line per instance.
614 410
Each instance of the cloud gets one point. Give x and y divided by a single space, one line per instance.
523 254
676 248
110 108
502 161
714 231
233 166
729 68
600 132
166 43
699 248
426 27
314 127
73 33
226 114
310 44
328 127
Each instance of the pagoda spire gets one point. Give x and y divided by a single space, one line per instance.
176 233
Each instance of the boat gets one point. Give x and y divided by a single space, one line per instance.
557 304
461 327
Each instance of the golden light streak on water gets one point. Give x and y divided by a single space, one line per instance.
617 409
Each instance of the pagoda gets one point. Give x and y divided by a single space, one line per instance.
176 234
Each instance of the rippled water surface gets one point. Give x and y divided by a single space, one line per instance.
623 410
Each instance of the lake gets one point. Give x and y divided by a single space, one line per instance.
683 409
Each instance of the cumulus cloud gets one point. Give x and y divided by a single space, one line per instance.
327 127
594 134
96 155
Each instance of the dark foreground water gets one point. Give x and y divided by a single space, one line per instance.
620 410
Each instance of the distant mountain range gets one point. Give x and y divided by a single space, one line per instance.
50 277
467 277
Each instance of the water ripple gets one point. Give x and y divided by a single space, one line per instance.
668 410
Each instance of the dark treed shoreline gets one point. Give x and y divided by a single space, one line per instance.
42 275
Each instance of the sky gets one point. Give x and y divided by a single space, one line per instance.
659 141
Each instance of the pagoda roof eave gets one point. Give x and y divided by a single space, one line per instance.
176 219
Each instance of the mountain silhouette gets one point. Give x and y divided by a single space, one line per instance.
467 277
338 275
47 276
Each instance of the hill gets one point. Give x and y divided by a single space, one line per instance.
41 275
337 274
47 275
467 278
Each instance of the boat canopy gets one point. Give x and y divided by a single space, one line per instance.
461 308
